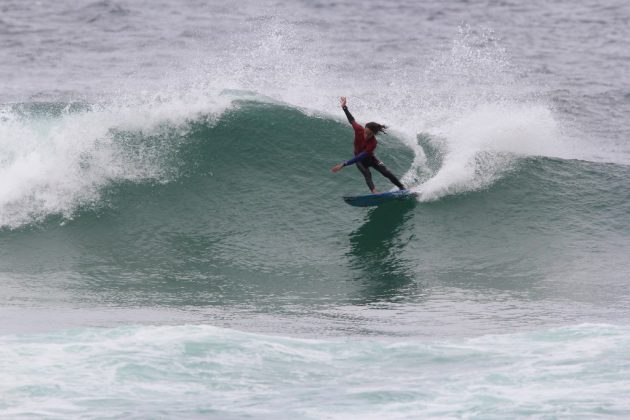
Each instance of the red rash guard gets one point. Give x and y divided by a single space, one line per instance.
361 144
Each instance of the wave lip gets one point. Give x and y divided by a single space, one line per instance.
57 158
202 370
478 148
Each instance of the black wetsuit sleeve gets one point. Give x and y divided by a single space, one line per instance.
348 114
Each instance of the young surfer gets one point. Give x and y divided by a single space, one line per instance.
364 145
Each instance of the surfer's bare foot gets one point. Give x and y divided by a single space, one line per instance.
374 191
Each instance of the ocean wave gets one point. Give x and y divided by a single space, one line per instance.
68 159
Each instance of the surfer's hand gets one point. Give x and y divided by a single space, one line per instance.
337 168
342 101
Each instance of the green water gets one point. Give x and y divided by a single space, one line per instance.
247 215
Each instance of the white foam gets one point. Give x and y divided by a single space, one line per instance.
482 144
53 165
187 370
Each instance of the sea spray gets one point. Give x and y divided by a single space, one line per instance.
478 148
467 102
469 98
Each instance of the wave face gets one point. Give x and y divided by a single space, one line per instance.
201 371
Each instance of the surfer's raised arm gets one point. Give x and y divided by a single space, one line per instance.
357 127
345 109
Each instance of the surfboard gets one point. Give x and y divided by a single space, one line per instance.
378 199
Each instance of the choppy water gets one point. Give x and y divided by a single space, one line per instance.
200 371
173 244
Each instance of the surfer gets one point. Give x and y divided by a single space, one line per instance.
364 145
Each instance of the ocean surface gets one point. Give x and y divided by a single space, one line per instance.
173 243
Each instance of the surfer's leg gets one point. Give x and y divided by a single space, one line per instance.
367 175
379 166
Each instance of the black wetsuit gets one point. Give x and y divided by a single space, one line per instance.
364 155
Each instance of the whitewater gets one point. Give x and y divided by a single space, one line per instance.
173 243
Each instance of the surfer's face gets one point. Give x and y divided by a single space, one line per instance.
368 133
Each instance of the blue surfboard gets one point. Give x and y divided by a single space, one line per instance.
378 199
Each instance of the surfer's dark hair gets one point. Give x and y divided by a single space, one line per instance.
376 127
